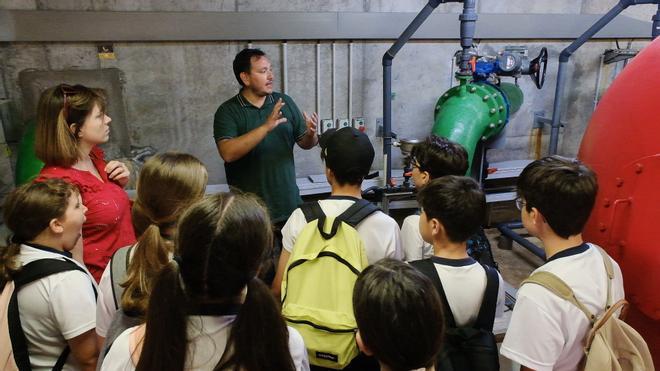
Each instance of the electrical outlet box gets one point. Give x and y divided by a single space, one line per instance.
379 127
343 123
358 123
327 124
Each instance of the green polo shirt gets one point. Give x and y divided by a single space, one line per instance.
268 170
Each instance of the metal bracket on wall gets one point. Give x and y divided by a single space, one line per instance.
540 120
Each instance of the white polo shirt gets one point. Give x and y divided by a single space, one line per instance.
54 309
379 232
546 332
208 337
414 246
464 282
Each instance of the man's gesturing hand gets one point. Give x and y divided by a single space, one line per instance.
275 118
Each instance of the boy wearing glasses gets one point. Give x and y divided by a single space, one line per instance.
556 196
433 158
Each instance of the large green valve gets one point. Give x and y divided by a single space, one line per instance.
474 111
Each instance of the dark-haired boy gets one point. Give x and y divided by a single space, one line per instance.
555 197
431 159
348 155
453 208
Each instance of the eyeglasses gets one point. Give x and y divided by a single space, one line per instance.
415 163
67 91
520 203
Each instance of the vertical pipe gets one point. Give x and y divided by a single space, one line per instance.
285 67
318 77
350 79
387 83
598 77
563 60
468 24
655 31
334 82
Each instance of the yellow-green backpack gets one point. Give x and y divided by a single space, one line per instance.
317 288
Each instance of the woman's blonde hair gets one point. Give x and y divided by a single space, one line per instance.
28 211
167 185
60 108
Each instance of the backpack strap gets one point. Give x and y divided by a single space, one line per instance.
29 273
357 212
558 287
609 269
118 272
427 267
486 316
312 211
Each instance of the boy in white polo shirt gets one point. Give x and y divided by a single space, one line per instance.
348 155
556 196
434 157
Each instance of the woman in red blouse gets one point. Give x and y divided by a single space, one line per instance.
71 123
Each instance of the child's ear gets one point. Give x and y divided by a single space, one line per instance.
362 346
437 229
56 226
536 216
426 177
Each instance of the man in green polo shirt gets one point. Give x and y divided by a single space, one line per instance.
255 132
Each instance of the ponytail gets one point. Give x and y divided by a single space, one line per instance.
165 340
151 254
8 261
259 337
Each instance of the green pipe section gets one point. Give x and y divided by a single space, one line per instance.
469 113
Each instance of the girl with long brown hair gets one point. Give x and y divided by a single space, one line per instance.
208 310
167 185
71 123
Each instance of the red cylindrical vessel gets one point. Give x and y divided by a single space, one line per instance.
622 144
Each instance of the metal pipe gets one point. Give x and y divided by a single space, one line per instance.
334 80
598 77
468 24
655 31
507 230
350 79
285 85
563 60
318 77
387 83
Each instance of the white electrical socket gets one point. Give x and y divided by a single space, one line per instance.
327 124
358 123
343 123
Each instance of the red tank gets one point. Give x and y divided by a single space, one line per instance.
622 144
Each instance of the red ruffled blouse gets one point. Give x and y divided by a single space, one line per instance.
108 226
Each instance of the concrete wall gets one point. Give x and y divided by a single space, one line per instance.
172 90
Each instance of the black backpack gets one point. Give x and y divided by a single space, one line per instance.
467 348
31 272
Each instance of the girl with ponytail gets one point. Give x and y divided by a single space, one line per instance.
71 124
167 185
207 310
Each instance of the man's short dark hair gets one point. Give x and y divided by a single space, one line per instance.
399 314
243 62
562 189
440 156
457 202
